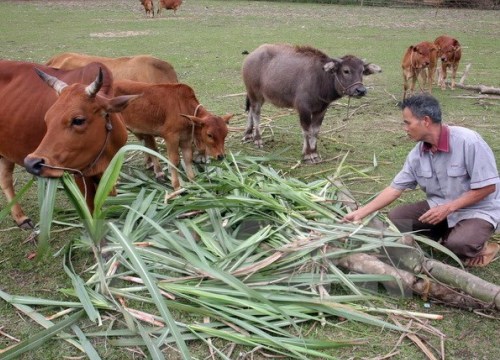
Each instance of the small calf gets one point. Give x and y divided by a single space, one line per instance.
168 5
450 52
420 59
173 112
148 7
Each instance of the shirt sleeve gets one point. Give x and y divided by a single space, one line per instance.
406 178
481 165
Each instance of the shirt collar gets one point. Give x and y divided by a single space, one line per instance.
443 142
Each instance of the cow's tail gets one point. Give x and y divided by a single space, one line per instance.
247 104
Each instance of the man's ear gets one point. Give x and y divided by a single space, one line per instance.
427 120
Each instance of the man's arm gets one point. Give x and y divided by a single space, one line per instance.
387 196
439 213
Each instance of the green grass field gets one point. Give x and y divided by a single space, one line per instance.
204 42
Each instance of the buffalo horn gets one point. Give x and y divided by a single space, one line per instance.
52 81
94 88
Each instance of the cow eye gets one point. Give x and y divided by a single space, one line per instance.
78 121
210 136
346 71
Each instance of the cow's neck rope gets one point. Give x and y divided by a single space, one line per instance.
193 125
108 127
344 91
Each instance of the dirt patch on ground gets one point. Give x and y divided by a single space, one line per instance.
119 34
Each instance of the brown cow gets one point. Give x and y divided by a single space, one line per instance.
78 130
148 7
450 53
420 59
143 68
301 77
168 5
173 112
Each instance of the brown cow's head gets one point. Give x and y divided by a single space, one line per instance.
450 52
422 54
83 131
348 72
210 134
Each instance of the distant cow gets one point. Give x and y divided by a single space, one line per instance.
76 131
450 53
419 60
301 77
168 5
143 68
173 112
148 7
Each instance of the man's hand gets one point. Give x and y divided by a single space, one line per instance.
353 216
436 214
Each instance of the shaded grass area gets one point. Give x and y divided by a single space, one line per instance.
205 42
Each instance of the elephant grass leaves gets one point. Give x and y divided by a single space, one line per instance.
240 256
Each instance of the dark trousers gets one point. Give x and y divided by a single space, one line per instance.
465 239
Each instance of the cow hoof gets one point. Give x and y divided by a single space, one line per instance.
160 177
311 158
200 159
258 143
27 224
247 138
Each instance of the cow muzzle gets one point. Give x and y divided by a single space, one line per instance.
358 92
34 165
38 166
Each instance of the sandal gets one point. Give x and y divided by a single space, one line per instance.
486 256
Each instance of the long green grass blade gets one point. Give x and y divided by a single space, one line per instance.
152 288
40 338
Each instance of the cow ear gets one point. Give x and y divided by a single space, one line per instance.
332 65
371 69
227 117
119 103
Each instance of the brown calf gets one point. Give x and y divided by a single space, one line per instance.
168 5
450 52
148 7
420 59
173 112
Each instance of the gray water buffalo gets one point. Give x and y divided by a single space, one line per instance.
303 78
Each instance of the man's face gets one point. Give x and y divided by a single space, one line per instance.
414 127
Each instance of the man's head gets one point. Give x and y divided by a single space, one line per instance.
421 117
423 105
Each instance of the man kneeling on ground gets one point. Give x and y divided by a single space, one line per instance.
457 170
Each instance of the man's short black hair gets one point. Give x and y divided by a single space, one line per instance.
423 105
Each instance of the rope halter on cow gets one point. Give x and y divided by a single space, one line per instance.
108 126
193 139
344 92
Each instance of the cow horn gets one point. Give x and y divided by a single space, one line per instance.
94 88
52 81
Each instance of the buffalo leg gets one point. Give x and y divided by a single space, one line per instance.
252 131
6 183
310 124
